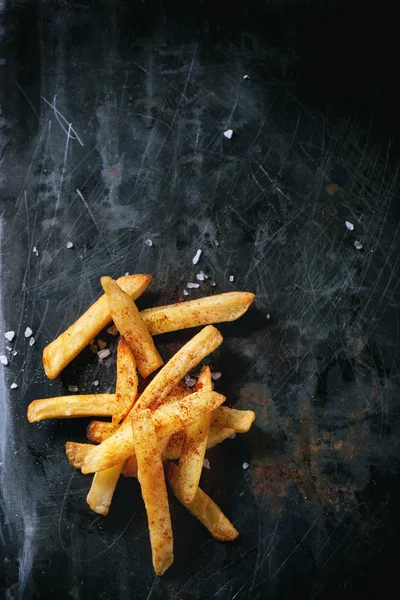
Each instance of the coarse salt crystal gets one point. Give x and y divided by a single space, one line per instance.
28 332
185 293
9 335
245 465
215 375
231 278
14 353
228 133
148 242
192 285
31 341
201 276
349 225
13 386
232 436
73 388
268 316
196 257
8 348
216 242
190 382
70 245
213 283
103 353
246 77
96 382
3 360
35 251
206 463
357 245
127 273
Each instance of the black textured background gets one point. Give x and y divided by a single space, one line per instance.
127 103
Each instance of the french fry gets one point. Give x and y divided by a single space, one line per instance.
127 381
168 419
67 407
58 354
239 420
216 435
76 453
129 323
98 431
204 311
102 489
176 368
203 508
194 446
154 491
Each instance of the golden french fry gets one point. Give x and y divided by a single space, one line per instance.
98 431
129 323
216 435
168 419
239 420
204 509
102 489
204 311
194 446
76 453
58 354
67 407
127 381
176 368
154 491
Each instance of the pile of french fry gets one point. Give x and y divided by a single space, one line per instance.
166 422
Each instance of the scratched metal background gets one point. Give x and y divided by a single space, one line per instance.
111 133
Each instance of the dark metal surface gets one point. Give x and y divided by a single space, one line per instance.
111 133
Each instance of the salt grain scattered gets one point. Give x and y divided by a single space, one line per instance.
9 335
216 242
196 257
70 245
14 353
13 386
103 353
357 245
201 276
231 278
73 388
3 360
246 77
245 465
349 225
190 382
228 133
31 341
206 463
215 375
213 284
232 436
28 332
148 242
8 348
192 285
96 383
35 251
268 316
185 293
127 273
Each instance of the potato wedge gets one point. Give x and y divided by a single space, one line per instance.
176 368
102 489
204 509
77 452
127 381
67 407
194 446
58 354
216 435
203 311
239 420
154 491
129 323
168 419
